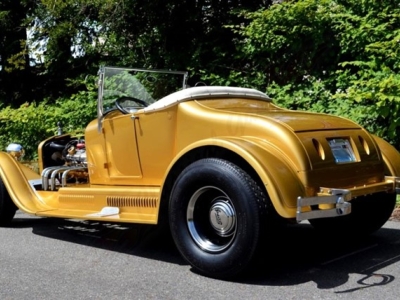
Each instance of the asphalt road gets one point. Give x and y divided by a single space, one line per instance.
70 259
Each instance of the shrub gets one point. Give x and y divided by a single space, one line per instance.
31 123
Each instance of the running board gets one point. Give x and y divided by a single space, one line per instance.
107 214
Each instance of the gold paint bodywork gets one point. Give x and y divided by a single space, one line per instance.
131 159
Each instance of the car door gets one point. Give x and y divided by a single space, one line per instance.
123 161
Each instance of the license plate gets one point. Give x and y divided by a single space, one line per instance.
342 150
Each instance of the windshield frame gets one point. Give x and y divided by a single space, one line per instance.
103 76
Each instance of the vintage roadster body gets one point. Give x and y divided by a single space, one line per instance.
221 165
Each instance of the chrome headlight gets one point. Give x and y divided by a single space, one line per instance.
15 150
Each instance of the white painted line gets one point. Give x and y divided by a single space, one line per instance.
381 263
347 255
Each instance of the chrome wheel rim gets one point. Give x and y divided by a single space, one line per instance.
211 219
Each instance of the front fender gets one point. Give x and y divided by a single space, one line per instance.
277 173
16 179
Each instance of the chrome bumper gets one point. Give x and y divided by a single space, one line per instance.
338 199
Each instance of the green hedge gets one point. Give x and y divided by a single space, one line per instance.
31 123
338 57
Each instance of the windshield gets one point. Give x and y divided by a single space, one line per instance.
146 85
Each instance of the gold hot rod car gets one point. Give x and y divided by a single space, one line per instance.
223 165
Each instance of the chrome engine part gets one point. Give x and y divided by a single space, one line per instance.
72 156
74 153
76 156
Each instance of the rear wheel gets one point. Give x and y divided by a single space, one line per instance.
216 214
368 214
7 206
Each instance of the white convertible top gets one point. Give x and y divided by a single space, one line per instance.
206 92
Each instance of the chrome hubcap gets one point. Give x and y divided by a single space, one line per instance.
211 219
222 217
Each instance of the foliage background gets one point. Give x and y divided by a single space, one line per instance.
339 57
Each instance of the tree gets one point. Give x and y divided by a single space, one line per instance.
76 36
339 57
15 79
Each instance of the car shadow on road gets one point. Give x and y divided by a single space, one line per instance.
301 255
294 256
147 241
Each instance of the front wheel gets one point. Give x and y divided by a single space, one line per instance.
216 214
7 206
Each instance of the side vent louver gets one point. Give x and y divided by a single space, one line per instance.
132 201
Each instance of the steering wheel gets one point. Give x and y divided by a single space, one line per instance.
128 109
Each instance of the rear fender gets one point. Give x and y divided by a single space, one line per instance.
278 176
390 155
16 179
